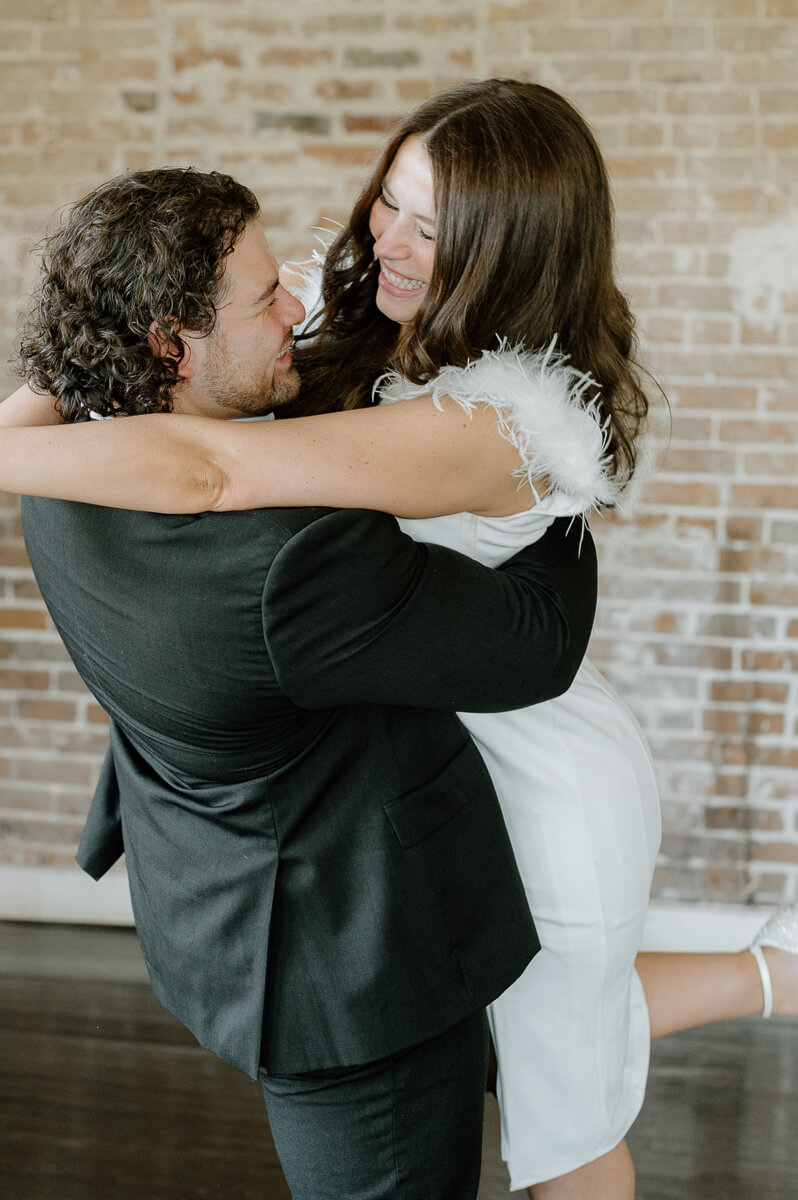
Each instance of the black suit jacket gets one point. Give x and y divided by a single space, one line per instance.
318 867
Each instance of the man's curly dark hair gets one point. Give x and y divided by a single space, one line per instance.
148 246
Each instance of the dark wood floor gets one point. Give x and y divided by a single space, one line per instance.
103 1095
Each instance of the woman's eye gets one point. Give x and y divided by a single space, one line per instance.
387 202
428 237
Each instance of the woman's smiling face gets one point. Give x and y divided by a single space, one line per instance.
402 223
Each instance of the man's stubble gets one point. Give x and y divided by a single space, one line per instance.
250 395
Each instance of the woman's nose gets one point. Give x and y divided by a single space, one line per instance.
392 242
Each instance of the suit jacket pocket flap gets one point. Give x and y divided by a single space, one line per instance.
422 812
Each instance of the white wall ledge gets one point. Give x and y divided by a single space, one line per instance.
67 895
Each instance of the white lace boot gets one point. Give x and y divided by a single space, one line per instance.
780 932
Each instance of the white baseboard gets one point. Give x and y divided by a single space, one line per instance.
67 895
697 927
64 895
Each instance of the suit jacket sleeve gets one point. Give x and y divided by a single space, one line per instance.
354 611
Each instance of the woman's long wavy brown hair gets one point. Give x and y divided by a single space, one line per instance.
523 251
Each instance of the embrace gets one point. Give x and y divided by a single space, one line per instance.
376 807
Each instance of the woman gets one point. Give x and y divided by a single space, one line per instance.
484 234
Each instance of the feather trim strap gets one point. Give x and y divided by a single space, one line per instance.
305 278
305 285
545 411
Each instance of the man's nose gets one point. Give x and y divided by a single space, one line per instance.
293 311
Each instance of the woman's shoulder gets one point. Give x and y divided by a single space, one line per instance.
547 409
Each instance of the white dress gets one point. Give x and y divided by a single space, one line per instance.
576 785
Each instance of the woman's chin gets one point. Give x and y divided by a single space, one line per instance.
397 308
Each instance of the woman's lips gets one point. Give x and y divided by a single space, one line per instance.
400 285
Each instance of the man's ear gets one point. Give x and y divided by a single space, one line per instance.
163 348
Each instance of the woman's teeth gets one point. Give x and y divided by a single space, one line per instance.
400 281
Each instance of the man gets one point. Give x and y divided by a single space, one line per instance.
323 887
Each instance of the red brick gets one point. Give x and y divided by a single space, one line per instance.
714 397
61 771
355 123
200 56
624 10
722 721
45 832
23 618
709 8
69 681
36 11
687 427
25 589
700 461
691 495
779 100
643 166
346 89
116 10
445 24
774 756
13 556
735 560
730 786
758 723
47 710
712 331
697 527
764 495
782 135
723 883
771 464
24 681
695 656
25 799
748 691
770 660
342 155
760 431
774 852
781 595
714 102
769 887
743 529
744 819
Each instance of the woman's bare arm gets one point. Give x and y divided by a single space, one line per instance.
409 458
26 407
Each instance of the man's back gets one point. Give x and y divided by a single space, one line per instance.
336 875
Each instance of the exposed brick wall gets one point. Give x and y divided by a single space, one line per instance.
696 106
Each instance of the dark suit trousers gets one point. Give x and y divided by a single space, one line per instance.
408 1127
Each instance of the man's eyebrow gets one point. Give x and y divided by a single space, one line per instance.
266 294
418 216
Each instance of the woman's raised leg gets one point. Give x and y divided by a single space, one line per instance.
685 990
611 1177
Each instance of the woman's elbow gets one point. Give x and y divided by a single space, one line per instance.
213 487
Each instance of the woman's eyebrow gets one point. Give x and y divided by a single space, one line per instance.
417 216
